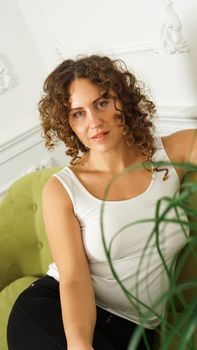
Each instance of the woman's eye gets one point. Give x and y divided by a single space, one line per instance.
78 115
102 104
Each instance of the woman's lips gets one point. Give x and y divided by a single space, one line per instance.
100 136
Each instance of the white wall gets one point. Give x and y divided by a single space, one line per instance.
157 40
27 70
22 72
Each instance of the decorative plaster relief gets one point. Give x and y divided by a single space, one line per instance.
172 38
45 163
5 79
62 52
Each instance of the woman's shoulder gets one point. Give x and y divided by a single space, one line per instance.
182 145
54 190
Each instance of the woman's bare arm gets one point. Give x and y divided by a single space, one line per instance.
76 289
182 148
183 145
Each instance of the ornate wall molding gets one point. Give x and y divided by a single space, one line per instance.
173 118
172 37
62 52
121 50
6 81
172 40
134 48
45 163
20 143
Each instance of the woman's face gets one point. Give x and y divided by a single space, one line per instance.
93 118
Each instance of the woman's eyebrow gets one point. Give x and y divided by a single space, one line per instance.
98 98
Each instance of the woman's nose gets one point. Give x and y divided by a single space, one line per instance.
94 119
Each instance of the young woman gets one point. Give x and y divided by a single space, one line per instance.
97 108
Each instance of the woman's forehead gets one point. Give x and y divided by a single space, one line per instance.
81 85
83 91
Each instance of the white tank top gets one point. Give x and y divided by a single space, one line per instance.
134 252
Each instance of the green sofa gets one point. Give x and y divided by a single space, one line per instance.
24 251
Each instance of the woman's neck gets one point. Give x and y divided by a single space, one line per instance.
111 162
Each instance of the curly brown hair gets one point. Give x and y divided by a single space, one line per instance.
104 72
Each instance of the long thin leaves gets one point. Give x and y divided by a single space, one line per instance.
181 307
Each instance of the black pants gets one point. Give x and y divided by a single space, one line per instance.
35 322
